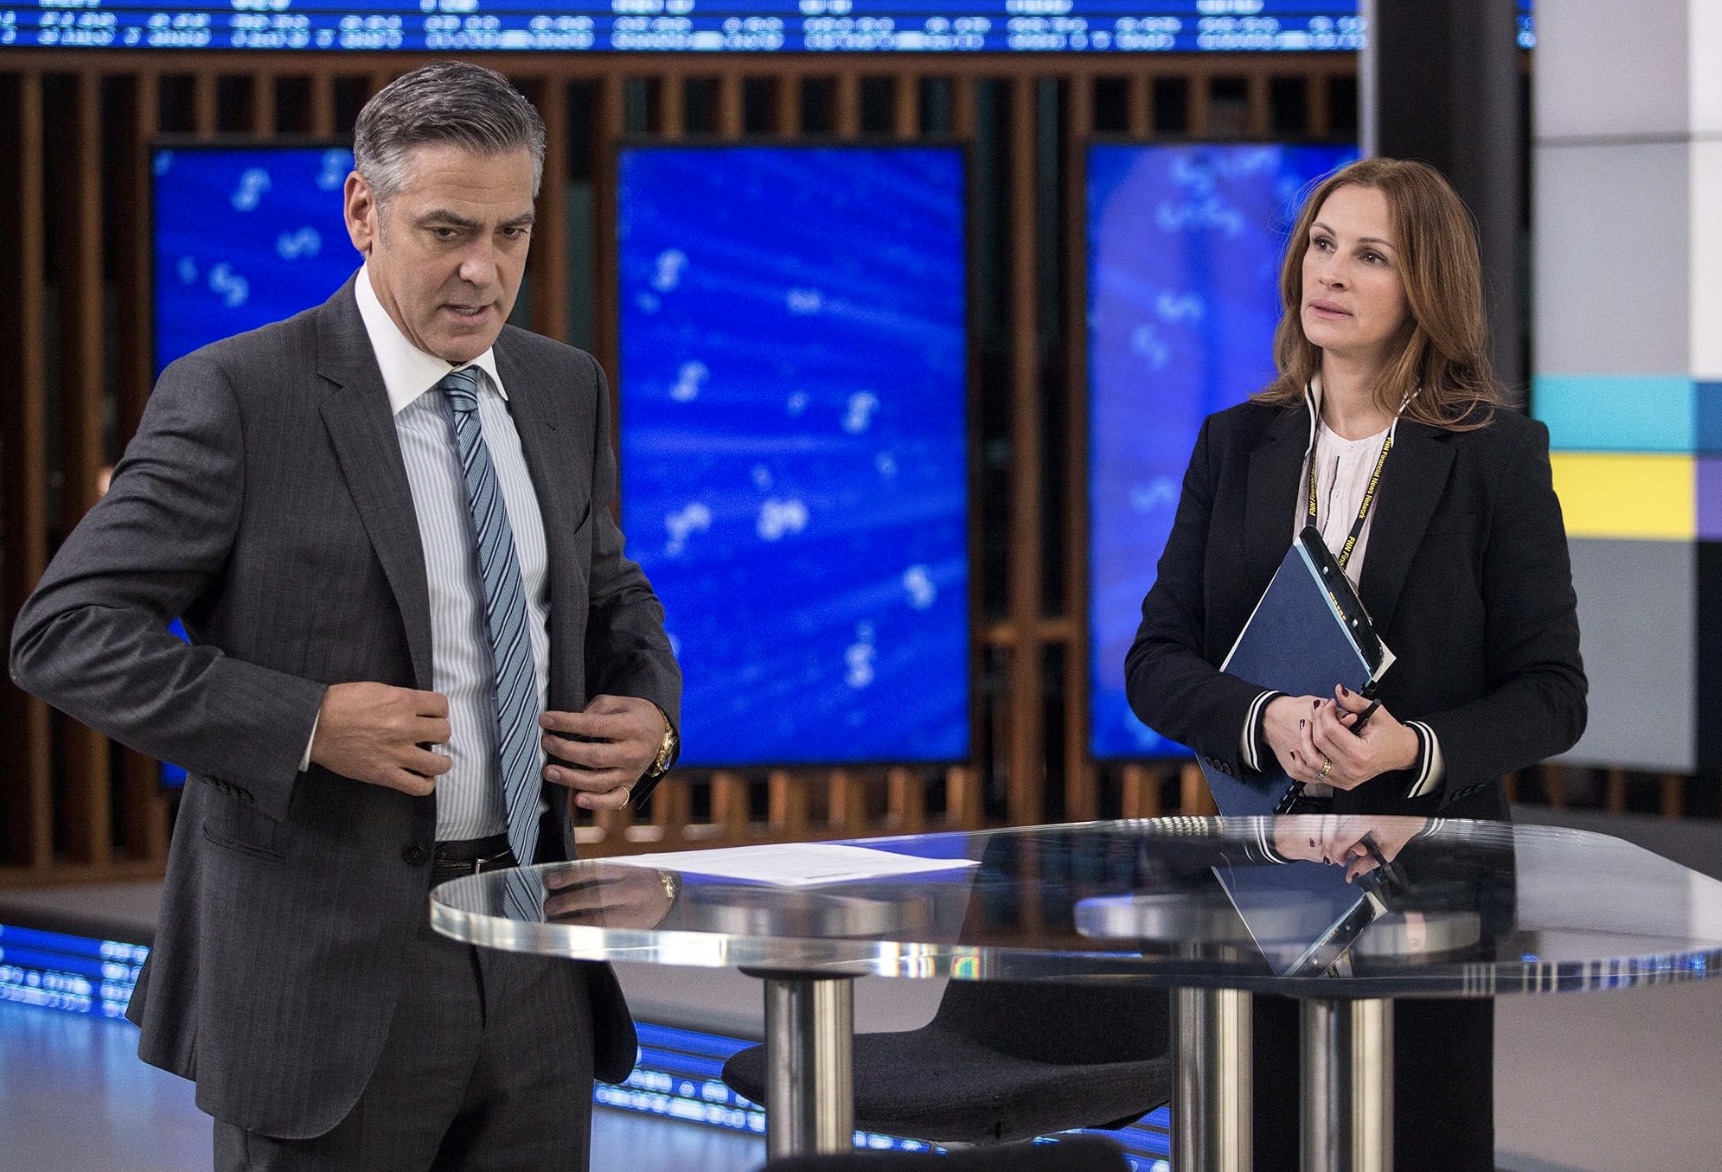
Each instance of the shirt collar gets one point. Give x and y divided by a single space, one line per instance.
408 372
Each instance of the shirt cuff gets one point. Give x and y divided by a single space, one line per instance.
1253 746
1430 770
305 761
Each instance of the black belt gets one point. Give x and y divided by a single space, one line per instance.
470 856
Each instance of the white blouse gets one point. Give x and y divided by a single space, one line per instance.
1342 471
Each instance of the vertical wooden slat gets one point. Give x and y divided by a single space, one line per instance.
323 101
906 106
263 103
847 790
1614 800
143 809
905 801
1673 795
206 112
1320 108
1140 785
786 804
26 797
965 807
672 805
731 111
963 99
672 106
729 804
1024 584
608 127
847 121
1140 107
1201 102
787 116
84 752
1260 115
550 231
1081 789
1194 796
1554 785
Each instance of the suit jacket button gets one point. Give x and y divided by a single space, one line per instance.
414 855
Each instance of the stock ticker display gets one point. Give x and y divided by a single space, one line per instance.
1184 250
693 25
793 430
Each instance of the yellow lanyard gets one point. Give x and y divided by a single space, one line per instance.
1362 510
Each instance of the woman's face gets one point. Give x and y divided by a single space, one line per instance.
1354 302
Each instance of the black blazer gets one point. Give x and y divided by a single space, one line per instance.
1466 578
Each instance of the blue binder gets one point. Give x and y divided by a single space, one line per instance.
1308 632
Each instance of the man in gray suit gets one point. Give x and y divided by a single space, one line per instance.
318 500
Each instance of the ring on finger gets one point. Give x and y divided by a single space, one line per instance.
627 794
1326 768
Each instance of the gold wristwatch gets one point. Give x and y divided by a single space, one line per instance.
666 750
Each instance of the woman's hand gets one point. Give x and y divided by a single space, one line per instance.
1345 839
1283 722
1345 759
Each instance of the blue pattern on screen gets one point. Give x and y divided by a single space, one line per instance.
1184 250
794 379
244 237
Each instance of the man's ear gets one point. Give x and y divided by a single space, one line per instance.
359 204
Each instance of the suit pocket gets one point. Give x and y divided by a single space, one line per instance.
229 822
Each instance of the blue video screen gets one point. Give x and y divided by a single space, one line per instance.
244 236
1184 251
794 376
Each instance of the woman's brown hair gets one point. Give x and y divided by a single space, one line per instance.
1445 358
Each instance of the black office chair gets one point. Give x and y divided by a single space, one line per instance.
1005 1060
1071 1153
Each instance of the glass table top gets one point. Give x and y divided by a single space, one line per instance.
1307 905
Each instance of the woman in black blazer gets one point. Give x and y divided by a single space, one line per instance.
1458 553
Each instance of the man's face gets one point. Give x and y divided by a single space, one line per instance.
447 251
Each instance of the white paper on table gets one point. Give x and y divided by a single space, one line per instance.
795 864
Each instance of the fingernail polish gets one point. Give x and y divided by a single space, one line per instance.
1342 690
1301 723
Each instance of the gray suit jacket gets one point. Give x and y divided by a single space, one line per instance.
264 500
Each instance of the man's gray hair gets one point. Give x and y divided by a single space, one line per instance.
445 103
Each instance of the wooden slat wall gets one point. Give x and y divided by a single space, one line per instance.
73 807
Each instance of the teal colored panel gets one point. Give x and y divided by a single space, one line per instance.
1709 396
1618 412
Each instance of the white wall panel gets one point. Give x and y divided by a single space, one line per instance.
1637 633
1611 259
1608 68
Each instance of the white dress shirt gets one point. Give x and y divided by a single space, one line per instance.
470 800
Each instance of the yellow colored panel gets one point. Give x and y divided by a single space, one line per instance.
1648 497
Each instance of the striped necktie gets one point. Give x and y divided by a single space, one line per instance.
505 618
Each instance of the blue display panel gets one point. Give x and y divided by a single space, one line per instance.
244 236
794 417
1184 251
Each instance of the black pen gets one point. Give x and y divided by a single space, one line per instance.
1363 718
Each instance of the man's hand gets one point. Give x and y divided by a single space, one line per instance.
607 895
600 753
378 734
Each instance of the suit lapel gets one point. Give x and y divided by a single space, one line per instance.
1411 488
362 430
1275 466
